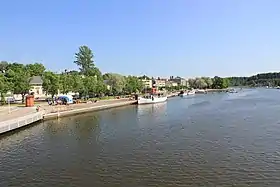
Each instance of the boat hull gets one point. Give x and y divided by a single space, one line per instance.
142 101
187 94
184 95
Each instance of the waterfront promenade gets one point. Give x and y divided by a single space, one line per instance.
63 110
15 112
23 116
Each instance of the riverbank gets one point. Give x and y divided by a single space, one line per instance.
52 112
23 116
217 90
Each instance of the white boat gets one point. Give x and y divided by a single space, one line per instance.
185 94
192 92
200 91
151 99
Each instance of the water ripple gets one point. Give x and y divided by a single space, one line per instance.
210 140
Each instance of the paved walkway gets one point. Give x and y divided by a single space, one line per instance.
20 112
17 112
51 109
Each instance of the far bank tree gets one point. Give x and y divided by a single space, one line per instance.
51 83
133 85
92 76
19 79
36 69
220 83
4 87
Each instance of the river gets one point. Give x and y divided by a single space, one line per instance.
208 140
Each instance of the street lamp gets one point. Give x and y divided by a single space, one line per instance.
9 105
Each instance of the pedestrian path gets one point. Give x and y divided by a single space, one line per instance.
16 113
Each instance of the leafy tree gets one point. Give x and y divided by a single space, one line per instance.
192 83
106 76
77 83
90 83
133 85
145 77
4 87
116 82
36 69
85 60
51 83
220 83
101 88
3 66
19 78
66 83
225 83
200 83
208 81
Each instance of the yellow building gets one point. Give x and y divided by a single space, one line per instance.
160 83
147 83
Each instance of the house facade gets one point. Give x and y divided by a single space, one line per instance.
159 83
179 80
36 89
147 83
170 83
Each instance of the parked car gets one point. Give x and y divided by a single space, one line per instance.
10 100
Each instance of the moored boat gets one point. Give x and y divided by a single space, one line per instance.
200 91
192 92
184 94
151 99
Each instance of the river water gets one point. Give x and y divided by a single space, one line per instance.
205 140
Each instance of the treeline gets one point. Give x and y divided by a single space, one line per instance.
209 83
88 81
259 80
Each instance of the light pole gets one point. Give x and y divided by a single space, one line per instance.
9 105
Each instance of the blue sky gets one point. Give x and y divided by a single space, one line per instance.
154 37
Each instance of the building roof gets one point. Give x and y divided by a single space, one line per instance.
36 80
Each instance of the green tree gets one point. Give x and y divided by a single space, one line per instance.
106 76
192 83
90 83
85 60
225 83
101 88
220 83
4 87
200 83
3 66
19 78
116 82
144 77
66 83
133 85
77 83
36 69
208 81
51 83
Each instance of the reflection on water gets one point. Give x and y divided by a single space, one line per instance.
210 140
158 108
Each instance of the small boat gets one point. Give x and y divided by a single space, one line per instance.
192 92
232 91
184 94
151 99
200 91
